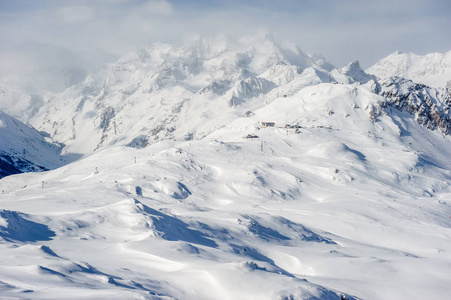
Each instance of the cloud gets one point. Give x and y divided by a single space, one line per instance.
157 7
76 14
96 31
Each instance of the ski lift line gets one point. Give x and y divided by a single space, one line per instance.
287 143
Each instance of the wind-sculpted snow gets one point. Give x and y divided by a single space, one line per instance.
343 200
270 234
14 226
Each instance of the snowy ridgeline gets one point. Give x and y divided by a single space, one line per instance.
164 92
433 69
231 171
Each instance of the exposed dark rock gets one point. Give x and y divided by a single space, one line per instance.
431 107
106 117
139 142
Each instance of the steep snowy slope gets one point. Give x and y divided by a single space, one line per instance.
352 197
432 69
23 149
351 73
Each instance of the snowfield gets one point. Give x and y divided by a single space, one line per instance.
353 197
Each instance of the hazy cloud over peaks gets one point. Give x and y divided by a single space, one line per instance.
99 31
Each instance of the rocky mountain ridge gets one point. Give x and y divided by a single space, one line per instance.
431 107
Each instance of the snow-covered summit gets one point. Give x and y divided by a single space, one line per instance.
432 69
351 73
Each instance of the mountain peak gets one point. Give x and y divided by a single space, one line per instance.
351 73
432 69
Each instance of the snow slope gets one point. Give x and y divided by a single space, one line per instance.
351 201
433 69
23 149
351 73
179 192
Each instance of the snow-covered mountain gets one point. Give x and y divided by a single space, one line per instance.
183 92
23 149
351 73
431 107
340 201
234 170
432 69
176 92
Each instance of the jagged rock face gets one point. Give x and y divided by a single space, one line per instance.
430 106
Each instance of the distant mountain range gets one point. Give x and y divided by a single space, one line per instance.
432 69
230 169
164 92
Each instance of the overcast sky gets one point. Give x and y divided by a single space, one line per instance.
88 32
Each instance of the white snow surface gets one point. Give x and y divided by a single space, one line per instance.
432 69
17 103
351 73
24 149
182 194
346 205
